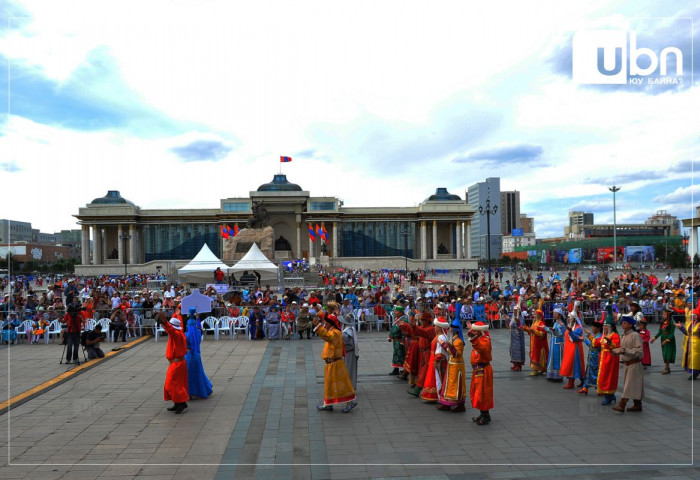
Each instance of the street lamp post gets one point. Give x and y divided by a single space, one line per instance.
488 211
614 190
405 234
125 238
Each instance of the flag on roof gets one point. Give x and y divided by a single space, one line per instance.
285 159
312 235
236 230
325 232
224 232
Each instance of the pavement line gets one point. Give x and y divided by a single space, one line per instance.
34 392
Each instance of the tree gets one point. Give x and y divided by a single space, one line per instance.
696 261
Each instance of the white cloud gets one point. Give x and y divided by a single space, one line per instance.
385 94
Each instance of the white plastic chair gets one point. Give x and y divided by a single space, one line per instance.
25 326
225 325
54 328
105 328
159 330
89 325
241 325
212 326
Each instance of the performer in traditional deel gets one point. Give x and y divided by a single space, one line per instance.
337 386
175 387
481 390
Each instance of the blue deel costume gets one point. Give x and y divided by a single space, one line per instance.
198 385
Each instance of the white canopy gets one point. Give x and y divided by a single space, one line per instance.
255 260
201 267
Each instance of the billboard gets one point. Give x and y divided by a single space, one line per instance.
516 232
14 250
575 255
643 254
605 254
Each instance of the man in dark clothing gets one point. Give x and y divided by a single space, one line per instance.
92 343
74 324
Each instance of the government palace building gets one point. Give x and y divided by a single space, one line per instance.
435 234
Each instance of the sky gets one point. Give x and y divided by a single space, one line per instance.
178 104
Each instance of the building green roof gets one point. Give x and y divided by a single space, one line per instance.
112 198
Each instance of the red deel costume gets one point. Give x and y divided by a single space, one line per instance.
482 374
175 388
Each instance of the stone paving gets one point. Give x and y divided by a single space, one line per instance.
261 421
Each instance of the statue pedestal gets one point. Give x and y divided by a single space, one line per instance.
283 254
236 247
325 260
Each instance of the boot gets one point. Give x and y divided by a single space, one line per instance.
415 391
173 408
569 385
181 407
478 419
402 376
485 418
459 409
609 398
621 407
637 406
442 407
395 371
534 373
583 391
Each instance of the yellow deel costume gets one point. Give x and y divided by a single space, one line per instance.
337 387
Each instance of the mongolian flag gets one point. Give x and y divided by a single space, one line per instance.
324 235
224 232
285 159
236 230
312 235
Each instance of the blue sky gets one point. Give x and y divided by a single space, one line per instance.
378 104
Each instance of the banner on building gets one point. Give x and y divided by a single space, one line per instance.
639 254
575 255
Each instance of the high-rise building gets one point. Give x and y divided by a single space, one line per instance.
528 223
662 217
13 231
477 195
580 218
510 212
576 219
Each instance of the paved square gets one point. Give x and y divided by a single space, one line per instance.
261 422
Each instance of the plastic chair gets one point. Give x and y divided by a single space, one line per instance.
89 325
22 329
241 325
105 328
212 326
54 328
225 324
159 330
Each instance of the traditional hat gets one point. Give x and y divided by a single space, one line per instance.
175 323
457 327
634 304
331 318
346 319
398 308
598 323
628 318
426 317
192 311
438 322
539 313
479 327
559 311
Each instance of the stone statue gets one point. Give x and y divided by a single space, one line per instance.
260 216
282 244
442 249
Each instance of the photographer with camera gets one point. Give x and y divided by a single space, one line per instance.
74 324
92 343
118 323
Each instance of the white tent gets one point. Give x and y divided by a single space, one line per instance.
201 267
255 260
